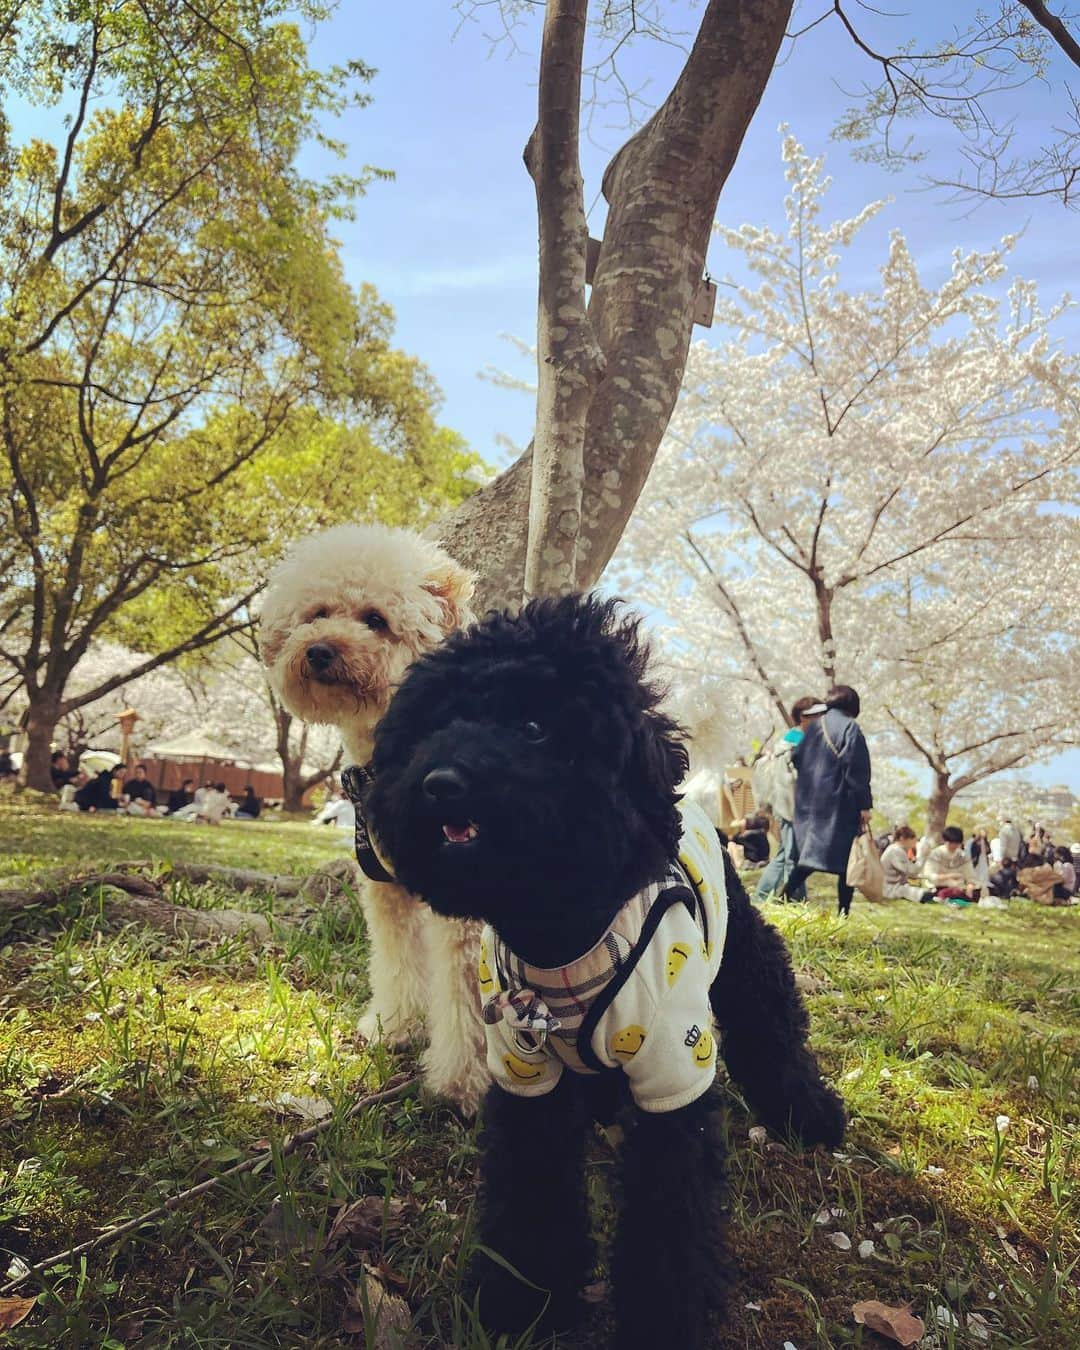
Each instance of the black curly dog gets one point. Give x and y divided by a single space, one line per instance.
523 775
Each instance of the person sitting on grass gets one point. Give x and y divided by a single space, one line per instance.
97 794
182 796
217 804
70 791
141 793
249 806
1003 883
949 870
1065 888
60 770
1038 880
899 866
751 834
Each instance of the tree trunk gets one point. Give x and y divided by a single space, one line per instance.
292 797
662 188
41 719
937 806
823 597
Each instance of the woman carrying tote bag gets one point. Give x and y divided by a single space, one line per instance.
832 793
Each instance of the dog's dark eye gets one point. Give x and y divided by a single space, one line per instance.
376 622
323 613
534 732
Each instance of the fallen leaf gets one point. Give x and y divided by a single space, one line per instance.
14 1310
1010 1249
840 1240
866 1249
294 1104
946 1317
897 1324
388 1275
383 1319
364 1222
978 1327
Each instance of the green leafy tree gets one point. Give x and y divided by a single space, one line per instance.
173 319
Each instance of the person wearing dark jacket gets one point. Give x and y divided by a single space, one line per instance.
60 770
1003 882
141 793
249 806
97 794
832 793
182 796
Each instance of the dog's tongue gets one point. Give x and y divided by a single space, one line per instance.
460 834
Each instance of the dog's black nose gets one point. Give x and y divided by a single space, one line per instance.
319 655
443 785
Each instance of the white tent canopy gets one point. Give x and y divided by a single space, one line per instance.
196 745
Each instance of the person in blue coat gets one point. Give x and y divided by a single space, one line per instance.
832 793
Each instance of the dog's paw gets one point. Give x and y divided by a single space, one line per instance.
390 1029
818 1116
464 1084
510 1305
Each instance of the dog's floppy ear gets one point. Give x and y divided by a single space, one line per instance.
452 585
658 764
271 640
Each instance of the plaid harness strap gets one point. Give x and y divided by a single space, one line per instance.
551 1005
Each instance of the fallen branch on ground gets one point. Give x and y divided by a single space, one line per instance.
395 1088
141 898
236 878
138 899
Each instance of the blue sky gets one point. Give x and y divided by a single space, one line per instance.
451 243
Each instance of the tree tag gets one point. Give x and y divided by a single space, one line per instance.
705 303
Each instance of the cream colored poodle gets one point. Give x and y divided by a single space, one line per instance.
345 613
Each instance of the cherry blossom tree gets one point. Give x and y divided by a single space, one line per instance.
982 675
848 472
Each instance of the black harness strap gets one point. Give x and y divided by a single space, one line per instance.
672 895
355 779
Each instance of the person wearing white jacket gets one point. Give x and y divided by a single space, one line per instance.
777 796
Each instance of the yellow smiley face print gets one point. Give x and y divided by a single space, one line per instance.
702 1051
626 1043
677 957
483 971
521 1071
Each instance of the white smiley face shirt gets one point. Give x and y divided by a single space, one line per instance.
637 1001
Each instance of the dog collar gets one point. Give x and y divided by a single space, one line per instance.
355 779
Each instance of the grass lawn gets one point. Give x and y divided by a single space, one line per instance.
132 1066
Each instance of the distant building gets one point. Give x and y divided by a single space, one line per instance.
1022 800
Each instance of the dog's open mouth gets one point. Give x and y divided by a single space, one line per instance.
460 834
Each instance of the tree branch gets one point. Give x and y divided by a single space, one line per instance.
1055 27
218 627
569 362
